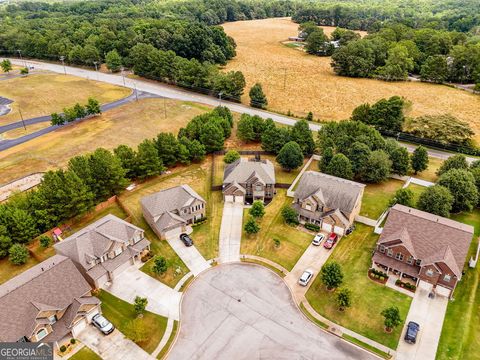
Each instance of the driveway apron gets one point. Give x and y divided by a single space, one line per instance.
189 255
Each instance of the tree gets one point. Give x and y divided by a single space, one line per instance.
309 116
250 128
251 226
436 200
257 97
400 161
231 156
57 119
302 135
327 156
6 65
139 305
290 156
358 156
212 137
317 43
195 149
93 107
45 241
160 266
377 168
343 299
70 114
274 138
331 275
230 85
80 111
18 254
167 147
419 159
128 159
257 210
434 69
290 215
113 60
340 166
397 65
5 242
22 225
392 318
24 71
457 161
148 162
107 173
461 184
403 196
307 28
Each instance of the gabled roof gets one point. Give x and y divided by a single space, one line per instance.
430 238
51 285
333 192
244 169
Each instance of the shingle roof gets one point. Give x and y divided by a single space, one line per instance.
242 169
432 238
334 192
53 284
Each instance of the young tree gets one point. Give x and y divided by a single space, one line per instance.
403 196
340 166
331 275
257 210
251 226
113 60
6 65
400 161
461 184
392 318
231 156
290 156
57 119
70 114
290 215
457 161
160 266
139 305
148 163
377 168
436 200
80 111
18 254
167 147
343 299
45 241
24 71
257 97
302 135
419 159
128 159
309 116
93 107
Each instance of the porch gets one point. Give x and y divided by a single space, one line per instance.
395 276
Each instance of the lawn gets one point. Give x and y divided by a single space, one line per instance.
121 314
85 354
377 196
19 132
429 174
417 190
292 241
353 253
41 94
297 82
129 124
460 337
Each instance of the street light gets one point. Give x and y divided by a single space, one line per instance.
96 68
220 97
21 59
62 59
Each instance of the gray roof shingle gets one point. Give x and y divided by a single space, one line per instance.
242 169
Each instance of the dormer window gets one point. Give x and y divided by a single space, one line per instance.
41 334
381 248
410 260
390 252
308 207
418 262
52 319
429 272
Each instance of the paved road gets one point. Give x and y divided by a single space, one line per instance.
239 311
230 232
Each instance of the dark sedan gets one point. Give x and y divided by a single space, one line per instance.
187 240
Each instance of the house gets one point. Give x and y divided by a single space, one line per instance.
247 180
170 211
426 248
47 302
328 201
104 249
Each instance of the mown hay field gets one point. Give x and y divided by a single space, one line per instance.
297 82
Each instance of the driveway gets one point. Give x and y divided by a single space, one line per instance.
189 255
429 314
162 300
231 232
313 258
244 311
114 346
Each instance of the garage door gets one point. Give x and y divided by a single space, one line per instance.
327 227
425 285
228 198
239 199
442 291
79 326
174 233
121 268
338 230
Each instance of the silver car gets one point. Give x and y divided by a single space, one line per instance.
103 324
306 277
317 240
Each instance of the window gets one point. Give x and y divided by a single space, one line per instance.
118 252
308 207
399 256
447 277
429 272
41 334
381 248
390 252
52 319
418 262
410 260
258 187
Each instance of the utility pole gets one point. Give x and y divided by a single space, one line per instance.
21 117
62 59
123 75
21 59
96 68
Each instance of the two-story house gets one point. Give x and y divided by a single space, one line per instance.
47 302
170 211
328 201
429 249
104 249
247 180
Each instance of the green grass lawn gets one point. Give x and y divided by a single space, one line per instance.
417 190
353 253
429 173
86 353
292 241
121 314
460 337
167 346
377 196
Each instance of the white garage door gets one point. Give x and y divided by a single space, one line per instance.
338 230
79 326
228 198
326 227
425 285
443 291
174 233
239 199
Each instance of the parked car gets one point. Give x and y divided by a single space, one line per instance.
331 241
187 240
103 324
306 277
317 240
412 331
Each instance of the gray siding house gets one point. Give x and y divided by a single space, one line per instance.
170 211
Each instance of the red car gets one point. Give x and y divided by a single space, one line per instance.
331 241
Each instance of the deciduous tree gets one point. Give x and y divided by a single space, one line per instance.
257 210
436 200
331 275
290 156
340 166
419 159
391 318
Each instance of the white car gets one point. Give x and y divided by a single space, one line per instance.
306 277
317 240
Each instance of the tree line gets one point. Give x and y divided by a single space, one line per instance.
76 112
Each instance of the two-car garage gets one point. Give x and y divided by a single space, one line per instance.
239 199
331 228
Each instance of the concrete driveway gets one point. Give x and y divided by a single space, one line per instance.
114 346
162 300
231 232
429 314
189 255
313 258
244 311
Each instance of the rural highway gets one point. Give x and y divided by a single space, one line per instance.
184 95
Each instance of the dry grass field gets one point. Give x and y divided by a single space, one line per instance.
42 94
128 124
311 85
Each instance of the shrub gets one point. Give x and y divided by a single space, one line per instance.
45 241
147 256
312 227
251 226
276 242
18 254
139 305
73 341
231 156
382 278
290 215
257 210
63 348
